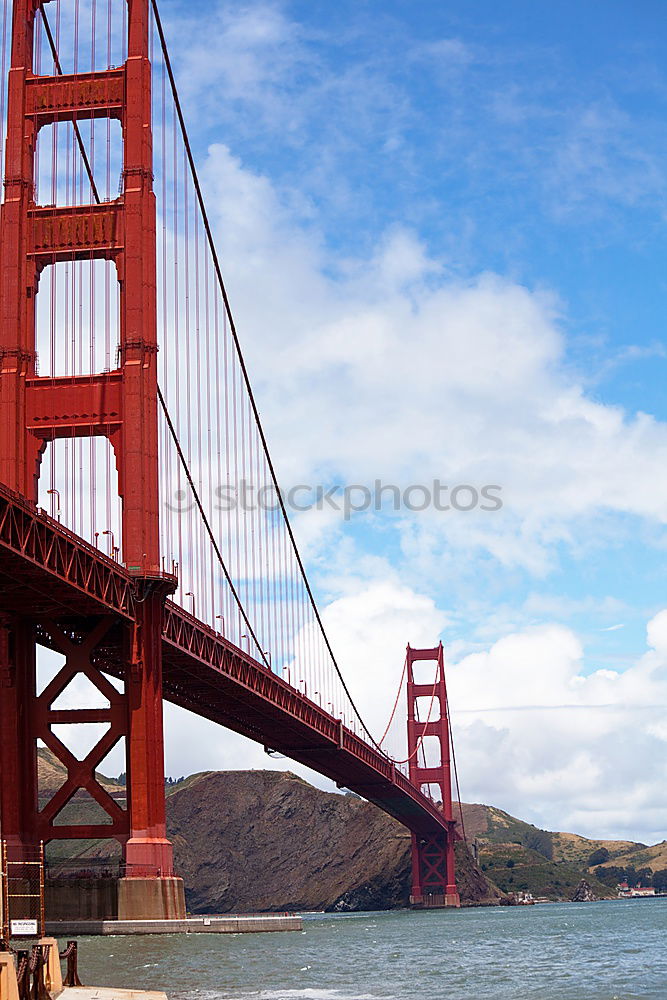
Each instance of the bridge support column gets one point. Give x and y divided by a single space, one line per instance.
18 755
123 407
150 890
433 863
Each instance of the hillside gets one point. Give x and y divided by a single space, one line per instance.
520 856
262 840
259 840
578 850
490 825
640 856
514 868
253 840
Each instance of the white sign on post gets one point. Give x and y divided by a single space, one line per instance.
23 928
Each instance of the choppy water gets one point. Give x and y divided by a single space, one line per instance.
590 951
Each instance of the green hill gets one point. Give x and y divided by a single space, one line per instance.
210 814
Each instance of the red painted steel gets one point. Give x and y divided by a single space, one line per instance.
102 617
18 760
70 97
41 558
203 672
120 405
433 862
78 652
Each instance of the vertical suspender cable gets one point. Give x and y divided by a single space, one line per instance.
244 371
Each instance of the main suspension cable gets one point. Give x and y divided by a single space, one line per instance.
420 740
242 364
170 425
398 695
456 770
209 530
246 379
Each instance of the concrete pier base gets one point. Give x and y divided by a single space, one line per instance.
53 972
251 924
9 989
109 993
151 899
436 901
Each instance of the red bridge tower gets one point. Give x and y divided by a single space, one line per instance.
120 405
433 865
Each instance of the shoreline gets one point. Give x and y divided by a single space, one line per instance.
248 924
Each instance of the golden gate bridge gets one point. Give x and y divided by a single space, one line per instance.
127 422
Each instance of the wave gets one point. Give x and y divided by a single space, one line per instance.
309 993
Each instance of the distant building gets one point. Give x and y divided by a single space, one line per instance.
637 892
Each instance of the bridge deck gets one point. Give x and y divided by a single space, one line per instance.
48 572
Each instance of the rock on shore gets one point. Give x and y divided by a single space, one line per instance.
583 893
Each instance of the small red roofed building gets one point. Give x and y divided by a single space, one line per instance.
638 892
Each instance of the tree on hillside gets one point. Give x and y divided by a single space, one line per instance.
540 841
599 857
610 876
660 880
635 876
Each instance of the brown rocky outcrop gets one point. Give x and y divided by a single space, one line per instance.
583 893
262 840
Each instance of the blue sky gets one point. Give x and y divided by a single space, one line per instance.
524 140
443 230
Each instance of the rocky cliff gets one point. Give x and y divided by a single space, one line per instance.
263 840
254 840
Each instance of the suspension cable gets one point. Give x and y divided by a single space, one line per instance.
77 131
195 493
242 364
420 739
172 430
246 379
456 771
398 695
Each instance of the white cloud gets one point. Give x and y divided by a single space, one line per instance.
387 366
565 748
536 733
257 50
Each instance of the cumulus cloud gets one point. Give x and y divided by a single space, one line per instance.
392 367
388 365
536 732
564 747
383 359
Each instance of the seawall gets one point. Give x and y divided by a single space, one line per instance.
250 924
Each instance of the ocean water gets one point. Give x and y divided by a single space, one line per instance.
589 951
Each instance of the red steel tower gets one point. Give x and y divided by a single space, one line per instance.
433 865
120 405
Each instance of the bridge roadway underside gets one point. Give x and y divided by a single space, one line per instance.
48 573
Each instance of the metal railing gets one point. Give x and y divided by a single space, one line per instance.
32 969
100 869
21 893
